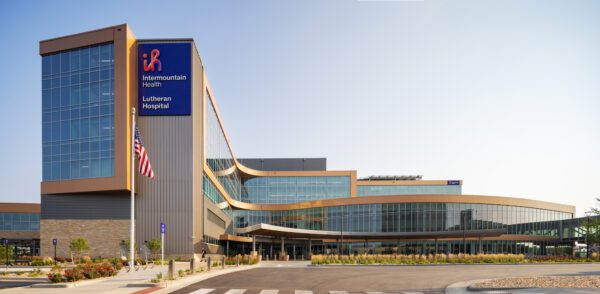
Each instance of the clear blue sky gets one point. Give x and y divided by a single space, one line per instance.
502 94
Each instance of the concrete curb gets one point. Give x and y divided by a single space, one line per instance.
171 286
462 287
68 284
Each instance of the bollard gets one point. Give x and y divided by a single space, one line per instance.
171 269
208 264
237 260
223 263
192 265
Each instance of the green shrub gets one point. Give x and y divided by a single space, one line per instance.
417 259
73 274
56 277
88 270
41 261
181 273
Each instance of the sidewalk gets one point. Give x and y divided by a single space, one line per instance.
117 284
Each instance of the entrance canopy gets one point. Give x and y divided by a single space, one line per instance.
278 231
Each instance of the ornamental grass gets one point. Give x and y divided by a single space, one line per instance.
366 259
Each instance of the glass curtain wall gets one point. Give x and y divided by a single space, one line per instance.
275 190
411 217
218 155
78 113
14 221
407 190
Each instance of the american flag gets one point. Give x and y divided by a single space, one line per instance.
145 167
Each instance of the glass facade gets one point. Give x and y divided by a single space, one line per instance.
275 190
211 192
218 155
78 113
407 190
13 221
411 217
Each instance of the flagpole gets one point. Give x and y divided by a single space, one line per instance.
132 225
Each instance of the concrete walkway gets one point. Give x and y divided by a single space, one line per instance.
118 284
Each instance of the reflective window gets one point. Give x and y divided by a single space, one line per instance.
218 155
273 190
410 217
12 221
212 193
78 113
407 190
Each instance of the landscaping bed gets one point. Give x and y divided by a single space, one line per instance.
84 271
401 259
540 282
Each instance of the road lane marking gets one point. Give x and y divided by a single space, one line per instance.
303 292
338 292
202 291
270 291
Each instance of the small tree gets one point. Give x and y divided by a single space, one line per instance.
591 226
78 245
154 245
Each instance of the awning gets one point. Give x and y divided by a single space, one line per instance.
278 231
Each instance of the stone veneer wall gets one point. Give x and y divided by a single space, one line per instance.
103 236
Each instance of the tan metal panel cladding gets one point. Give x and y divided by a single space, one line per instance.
198 133
20 207
168 198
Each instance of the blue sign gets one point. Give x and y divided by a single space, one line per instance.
163 228
165 79
454 183
54 242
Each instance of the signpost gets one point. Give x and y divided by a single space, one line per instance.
163 229
54 242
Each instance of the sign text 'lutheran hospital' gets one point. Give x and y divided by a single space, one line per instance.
164 78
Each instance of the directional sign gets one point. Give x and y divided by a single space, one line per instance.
54 242
163 228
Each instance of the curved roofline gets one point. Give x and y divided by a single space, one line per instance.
263 229
415 198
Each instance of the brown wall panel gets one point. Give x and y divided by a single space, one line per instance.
20 207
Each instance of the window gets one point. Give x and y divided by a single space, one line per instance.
78 113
